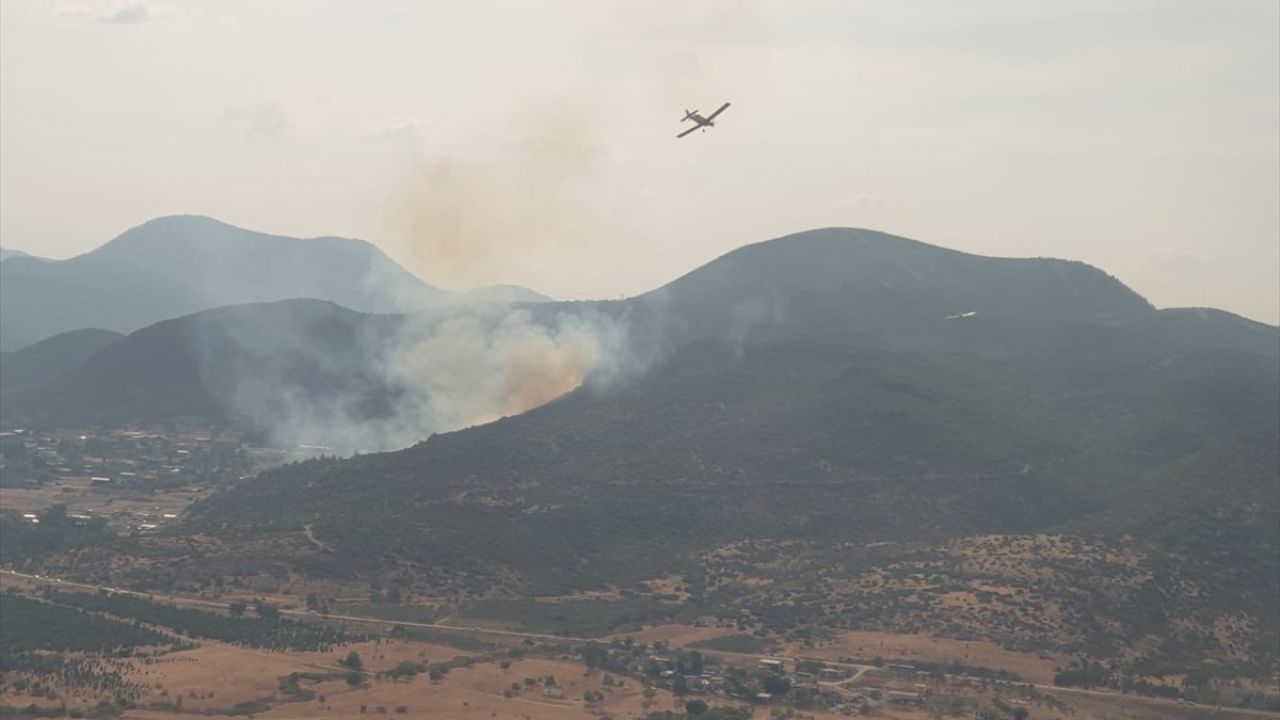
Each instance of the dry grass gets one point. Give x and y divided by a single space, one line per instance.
863 644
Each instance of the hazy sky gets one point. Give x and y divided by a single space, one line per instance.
533 142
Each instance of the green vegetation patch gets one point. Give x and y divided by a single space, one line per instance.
273 633
28 625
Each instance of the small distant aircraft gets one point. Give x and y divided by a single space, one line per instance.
699 122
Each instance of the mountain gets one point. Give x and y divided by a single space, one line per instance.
1006 318
800 439
825 405
854 286
174 266
37 363
837 280
6 253
826 467
818 377
243 364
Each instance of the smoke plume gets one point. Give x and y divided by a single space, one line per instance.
310 374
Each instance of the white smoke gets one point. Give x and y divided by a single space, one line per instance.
496 361
316 378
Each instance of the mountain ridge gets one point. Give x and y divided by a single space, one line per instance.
176 265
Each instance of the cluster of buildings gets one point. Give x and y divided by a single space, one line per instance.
840 687
112 474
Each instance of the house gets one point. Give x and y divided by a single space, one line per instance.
772 665
833 673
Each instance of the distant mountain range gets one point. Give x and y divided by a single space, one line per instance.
6 253
830 387
851 288
839 389
174 266
48 358
809 371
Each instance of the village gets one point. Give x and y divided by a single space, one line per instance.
136 481
806 684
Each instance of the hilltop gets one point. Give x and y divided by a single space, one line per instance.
174 266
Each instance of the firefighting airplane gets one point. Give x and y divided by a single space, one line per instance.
699 122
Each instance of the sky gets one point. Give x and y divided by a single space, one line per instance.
533 142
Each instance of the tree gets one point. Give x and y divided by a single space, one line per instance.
1020 713
813 667
408 668
679 685
695 707
776 685
352 660
237 608
354 678
265 609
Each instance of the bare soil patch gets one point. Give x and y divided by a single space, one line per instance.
866 645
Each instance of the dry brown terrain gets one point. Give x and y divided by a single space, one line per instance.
676 635
894 647
82 497
212 678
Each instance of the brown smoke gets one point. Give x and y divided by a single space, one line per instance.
540 371
468 222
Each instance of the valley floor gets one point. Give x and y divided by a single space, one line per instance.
503 674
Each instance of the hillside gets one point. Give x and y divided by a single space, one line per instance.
763 402
1028 322
724 455
251 365
854 287
35 364
6 253
885 288
1065 405
174 266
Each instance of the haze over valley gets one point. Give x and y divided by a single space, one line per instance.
616 415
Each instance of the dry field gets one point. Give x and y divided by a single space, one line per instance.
213 678
81 497
675 635
894 647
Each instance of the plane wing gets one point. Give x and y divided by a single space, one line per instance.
713 115
686 132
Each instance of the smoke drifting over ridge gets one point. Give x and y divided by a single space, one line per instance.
484 365
455 359
309 373
528 195
476 220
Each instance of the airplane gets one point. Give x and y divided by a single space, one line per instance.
699 122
